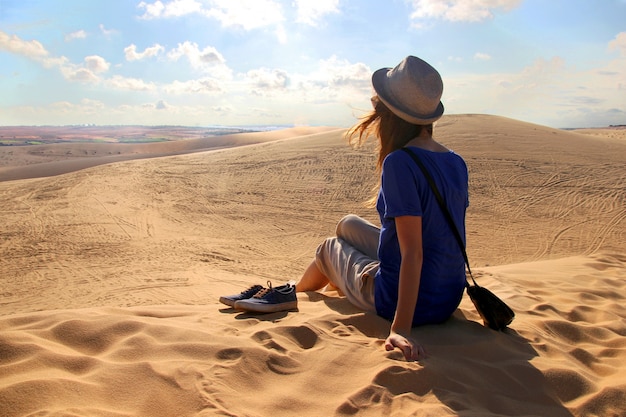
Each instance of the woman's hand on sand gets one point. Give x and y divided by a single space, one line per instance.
411 350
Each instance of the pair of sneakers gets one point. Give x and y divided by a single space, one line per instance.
264 300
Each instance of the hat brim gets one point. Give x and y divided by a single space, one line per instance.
381 86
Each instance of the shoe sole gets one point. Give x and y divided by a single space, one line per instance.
266 308
227 301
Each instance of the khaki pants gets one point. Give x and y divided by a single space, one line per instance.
350 260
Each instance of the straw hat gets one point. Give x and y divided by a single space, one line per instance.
412 90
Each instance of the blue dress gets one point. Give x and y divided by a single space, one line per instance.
405 191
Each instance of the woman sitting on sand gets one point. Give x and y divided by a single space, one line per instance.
411 270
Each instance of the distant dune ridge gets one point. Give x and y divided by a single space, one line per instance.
35 161
111 273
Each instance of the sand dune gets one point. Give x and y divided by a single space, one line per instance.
110 279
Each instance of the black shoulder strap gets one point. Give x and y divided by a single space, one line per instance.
444 208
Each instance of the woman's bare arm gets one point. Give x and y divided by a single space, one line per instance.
409 229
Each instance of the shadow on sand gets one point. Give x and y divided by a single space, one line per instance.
471 369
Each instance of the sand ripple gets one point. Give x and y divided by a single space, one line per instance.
561 358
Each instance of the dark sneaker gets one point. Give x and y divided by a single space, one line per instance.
270 300
230 300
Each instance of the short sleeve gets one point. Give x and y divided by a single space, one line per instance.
399 190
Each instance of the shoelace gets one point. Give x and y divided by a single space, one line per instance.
253 288
264 291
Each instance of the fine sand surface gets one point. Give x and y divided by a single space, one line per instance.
110 278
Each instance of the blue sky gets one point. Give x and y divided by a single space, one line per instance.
560 63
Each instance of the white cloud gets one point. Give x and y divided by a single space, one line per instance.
79 74
178 8
333 82
175 8
96 64
64 106
197 57
342 73
131 54
281 34
119 82
311 11
106 32
153 10
199 86
619 43
92 105
222 110
547 92
543 70
245 14
480 56
86 73
459 10
161 105
208 59
13 44
265 81
264 113
35 51
79 34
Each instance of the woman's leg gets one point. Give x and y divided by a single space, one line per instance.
344 267
360 234
350 260
312 279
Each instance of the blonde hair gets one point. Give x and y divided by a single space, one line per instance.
392 132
